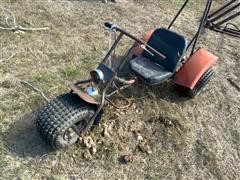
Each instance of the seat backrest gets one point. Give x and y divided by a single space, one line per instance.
169 43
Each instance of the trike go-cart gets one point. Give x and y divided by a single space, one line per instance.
158 56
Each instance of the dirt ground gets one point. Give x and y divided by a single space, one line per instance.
184 139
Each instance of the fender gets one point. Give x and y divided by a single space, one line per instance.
137 51
192 70
83 95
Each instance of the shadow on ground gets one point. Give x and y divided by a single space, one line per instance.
166 90
22 138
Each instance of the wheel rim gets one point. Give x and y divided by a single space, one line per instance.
70 135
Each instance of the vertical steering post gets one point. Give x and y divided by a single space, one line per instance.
113 47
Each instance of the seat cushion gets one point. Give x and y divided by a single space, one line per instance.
149 71
169 43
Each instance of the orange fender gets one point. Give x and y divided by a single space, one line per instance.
192 70
137 51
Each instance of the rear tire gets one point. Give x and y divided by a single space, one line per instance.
56 119
202 82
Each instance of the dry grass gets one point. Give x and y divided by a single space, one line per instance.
203 142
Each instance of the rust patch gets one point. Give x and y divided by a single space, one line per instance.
83 95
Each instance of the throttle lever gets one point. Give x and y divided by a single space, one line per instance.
144 47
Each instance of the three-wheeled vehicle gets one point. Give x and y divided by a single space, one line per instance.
158 56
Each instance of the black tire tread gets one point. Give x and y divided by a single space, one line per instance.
202 82
60 114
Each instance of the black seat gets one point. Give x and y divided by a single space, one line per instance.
154 70
149 71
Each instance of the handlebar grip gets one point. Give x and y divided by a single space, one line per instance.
110 26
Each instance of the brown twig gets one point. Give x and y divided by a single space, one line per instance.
10 57
35 89
20 28
233 84
15 26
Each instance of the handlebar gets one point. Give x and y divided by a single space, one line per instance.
113 27
110 25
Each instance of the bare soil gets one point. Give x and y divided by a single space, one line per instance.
182 138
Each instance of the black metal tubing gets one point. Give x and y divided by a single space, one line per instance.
178 13
222 8
228 31
228 19
190 43
202 23
212 24
224 13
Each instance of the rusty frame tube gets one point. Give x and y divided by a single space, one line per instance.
90 122
139 41
113 47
